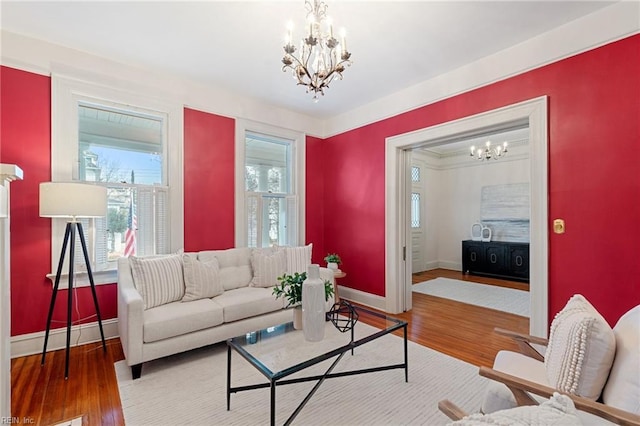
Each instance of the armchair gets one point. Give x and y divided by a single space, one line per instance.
603 387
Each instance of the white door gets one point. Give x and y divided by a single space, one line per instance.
417 220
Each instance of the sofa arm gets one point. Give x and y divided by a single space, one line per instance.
130 314
524 342
519 387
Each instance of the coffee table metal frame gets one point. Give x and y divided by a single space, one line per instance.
278 378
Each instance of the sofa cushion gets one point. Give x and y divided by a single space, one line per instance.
247 302
298 258
177 318
158 279
497 396
234 263
201 279
268 265
580 350
623 385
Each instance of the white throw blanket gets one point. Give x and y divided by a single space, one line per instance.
559 410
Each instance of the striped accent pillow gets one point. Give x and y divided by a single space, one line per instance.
298 258
267 266
158 279
201 279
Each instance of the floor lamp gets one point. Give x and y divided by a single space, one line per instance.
72 201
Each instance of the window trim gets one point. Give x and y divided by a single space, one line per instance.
297 181
66 92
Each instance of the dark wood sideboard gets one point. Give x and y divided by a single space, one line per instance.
500 259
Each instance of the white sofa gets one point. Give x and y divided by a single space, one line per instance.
175 303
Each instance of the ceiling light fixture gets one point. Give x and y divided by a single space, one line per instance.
489 152
322 58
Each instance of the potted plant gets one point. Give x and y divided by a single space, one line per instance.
333 260
290 288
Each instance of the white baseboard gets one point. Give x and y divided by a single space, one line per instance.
81 334
434 264
363 298
454 266
443 264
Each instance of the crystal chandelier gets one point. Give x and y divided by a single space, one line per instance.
321 58
489 152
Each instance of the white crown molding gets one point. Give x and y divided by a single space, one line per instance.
45 58
596 29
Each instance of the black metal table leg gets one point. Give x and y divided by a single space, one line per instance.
406 356
273 403
228 377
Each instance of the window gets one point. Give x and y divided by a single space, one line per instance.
415 209
124 151
124 142
269 184
271 212
415 174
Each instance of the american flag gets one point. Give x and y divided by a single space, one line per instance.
130 234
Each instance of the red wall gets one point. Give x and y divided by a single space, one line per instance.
25 130
314 193
208 181
594 178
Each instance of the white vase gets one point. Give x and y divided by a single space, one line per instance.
297 317
332 265
313 312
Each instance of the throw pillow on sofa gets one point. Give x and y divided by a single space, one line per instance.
298 258
158 279
268 264
581 349
201 279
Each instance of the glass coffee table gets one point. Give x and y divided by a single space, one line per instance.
280 352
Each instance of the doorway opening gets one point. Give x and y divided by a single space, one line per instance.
531 114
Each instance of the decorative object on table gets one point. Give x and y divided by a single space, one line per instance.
322 57
343 316
476 231
72 201
297 317
479 232
290 288
486 234
313 305
333 260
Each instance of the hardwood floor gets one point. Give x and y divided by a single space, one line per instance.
42 396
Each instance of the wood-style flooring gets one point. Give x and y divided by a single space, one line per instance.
41 395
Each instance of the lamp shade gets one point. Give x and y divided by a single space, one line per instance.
70 199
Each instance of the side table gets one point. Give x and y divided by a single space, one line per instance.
337 274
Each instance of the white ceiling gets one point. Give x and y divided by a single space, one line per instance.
238 44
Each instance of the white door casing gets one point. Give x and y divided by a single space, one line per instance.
532 113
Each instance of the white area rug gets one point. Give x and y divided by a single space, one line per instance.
190 388
488 296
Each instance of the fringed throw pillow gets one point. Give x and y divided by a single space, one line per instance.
581 349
